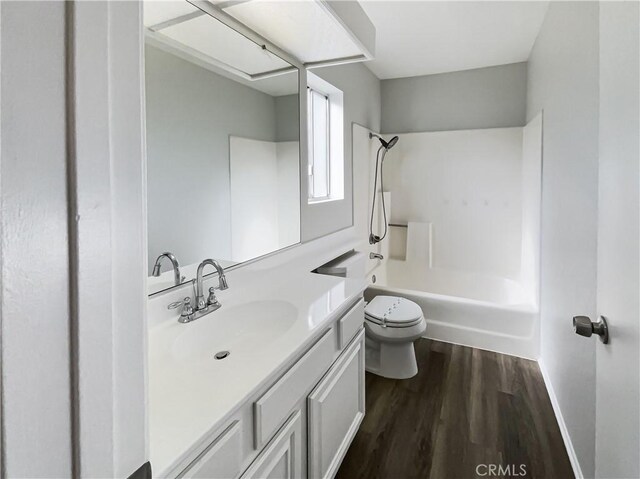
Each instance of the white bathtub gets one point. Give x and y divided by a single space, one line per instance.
484 312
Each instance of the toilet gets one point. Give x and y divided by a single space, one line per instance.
392 324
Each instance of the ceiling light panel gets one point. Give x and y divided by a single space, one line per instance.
302 28
212 38
159 11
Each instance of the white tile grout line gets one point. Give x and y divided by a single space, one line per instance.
563 427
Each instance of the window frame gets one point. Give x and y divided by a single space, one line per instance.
311 164
336 142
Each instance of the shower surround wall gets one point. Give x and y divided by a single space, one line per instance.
469 128
471 202
468 185
265 196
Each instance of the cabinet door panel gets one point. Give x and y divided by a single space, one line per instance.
350 324
221 460
282 458
271 410
336 409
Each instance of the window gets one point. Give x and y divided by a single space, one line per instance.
326 145
319 162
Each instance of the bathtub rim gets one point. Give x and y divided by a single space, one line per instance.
522 346
486 305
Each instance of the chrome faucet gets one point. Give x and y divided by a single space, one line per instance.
203 306
375 256
174 263
222 285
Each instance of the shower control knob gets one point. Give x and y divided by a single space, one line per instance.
583 326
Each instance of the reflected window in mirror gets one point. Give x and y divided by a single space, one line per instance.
223 153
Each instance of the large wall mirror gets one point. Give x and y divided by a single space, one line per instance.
222 126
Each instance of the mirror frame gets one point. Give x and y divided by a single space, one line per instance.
251 35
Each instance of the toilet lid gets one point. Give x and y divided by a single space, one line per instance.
393 310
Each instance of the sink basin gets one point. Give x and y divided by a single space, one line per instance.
242 330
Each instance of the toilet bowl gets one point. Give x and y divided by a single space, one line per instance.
392 324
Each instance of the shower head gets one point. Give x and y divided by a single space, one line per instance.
386 144
392 142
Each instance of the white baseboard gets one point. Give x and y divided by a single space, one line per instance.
563 427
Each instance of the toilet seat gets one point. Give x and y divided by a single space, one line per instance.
393 312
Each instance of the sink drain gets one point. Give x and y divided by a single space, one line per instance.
222 354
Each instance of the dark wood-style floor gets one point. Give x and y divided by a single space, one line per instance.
465 408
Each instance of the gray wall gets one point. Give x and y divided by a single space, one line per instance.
191 112
563 81
287 118
491 97
34 280
361 105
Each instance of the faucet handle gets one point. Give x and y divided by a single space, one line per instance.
212 300
175 304
186 315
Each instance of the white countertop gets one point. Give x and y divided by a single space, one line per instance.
191 394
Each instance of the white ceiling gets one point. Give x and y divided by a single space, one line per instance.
425 37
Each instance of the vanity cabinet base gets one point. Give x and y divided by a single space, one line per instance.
301 425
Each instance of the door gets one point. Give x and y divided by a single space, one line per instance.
617 370
282 458
336 409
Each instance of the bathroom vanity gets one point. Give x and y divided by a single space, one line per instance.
286 397
265 378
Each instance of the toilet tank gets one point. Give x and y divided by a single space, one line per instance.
349 265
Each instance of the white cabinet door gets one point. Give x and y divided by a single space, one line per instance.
221 460
282 458
336 409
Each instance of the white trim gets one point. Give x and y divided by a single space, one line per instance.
575 464
107 236
90 237
184 51
2 448
335 62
